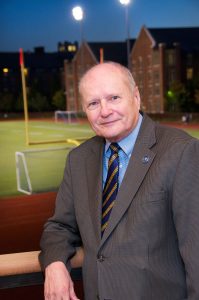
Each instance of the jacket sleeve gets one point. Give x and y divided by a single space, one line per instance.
186 214
61 235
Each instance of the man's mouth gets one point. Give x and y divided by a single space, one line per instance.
108 123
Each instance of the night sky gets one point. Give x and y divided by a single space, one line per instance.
33 23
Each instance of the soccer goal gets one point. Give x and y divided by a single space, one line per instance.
40 170
66 116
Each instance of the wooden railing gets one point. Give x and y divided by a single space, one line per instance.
18 269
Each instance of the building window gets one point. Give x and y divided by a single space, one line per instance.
140 62
149 61
171 59
71 48
149 76
61 48
133 65
71 91
156 77
155 57
189 59
150 90
172 76
156 91
190 73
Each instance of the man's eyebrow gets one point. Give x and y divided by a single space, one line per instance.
93 100
113 94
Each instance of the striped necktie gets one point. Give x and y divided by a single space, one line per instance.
111 185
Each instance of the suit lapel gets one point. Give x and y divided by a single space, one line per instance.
140 162
94 180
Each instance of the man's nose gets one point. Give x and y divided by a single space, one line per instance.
105 108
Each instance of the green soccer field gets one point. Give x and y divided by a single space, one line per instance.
41 165
45 167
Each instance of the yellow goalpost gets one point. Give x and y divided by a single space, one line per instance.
75 142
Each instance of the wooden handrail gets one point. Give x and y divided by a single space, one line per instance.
27 262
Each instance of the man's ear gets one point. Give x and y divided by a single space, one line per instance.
137 96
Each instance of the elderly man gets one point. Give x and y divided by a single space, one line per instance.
130 196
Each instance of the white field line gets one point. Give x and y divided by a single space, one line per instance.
36 133
17 130
56 135
4 129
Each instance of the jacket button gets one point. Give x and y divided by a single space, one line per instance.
100 258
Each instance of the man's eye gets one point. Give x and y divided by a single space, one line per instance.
93 104
114 98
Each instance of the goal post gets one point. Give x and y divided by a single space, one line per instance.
22 175
67 116
40 170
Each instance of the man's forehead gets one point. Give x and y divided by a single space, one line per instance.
104 68
100 74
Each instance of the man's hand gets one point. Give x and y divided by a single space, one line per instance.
58 283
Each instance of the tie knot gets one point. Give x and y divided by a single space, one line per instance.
114 147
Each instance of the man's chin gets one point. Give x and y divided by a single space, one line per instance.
108 133
111 137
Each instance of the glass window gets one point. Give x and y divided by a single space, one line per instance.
190 73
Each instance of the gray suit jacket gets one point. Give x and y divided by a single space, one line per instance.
150 249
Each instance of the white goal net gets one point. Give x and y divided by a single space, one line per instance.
40 170
66 116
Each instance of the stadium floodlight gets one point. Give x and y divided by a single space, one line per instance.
78 13
126 4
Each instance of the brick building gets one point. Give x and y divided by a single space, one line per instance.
159 58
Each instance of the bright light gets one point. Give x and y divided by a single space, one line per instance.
5 70
78 13
124 2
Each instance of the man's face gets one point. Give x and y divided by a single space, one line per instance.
110 104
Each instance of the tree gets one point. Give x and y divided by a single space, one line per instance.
59 100
176 95
37 102
188 105
196 94
7 102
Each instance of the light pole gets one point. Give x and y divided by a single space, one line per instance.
78 15
126 4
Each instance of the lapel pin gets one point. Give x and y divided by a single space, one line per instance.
145 159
